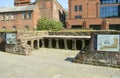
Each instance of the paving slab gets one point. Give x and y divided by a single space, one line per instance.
51 63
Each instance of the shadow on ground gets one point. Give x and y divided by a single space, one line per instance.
69 59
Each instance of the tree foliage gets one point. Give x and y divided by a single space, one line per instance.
49 24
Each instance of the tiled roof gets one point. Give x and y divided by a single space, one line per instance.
17 8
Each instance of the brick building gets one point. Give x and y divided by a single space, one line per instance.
94 14
51 9
21 2
24 15
19 18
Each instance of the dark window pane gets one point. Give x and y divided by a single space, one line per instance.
80 8
118 1
115 9
78 16
76 8
3 28
24 16
26 28
108 1
29 15
109 11
14 28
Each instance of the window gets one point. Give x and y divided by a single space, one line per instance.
12 17
104 9
115 9
14 28
3 28
109 11
24 16
76 8
109 1
80 7
29 15
26 28
78 16
7 17
118 1
2 17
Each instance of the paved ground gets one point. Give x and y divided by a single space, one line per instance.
50 63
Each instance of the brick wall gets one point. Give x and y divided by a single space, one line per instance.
21 2
19 22
90 15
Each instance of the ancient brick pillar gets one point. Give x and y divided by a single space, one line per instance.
73 44
83 44
57 43
50 43
32 44
43 44
38 44
65 44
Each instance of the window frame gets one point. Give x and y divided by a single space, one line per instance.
7 17
78 16
29 15
14 28
3 28
26 28
76 8
2 17
12 17
24 15
80 7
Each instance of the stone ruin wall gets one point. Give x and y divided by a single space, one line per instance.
21 47
89 57
93 57
2 41
71 33
27 34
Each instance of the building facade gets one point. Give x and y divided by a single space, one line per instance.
51 9
94 14
24 15
19 18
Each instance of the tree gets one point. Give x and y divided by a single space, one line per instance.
49 24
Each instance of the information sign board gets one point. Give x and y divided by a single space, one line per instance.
10 38
108 43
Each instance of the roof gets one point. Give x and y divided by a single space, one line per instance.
17 8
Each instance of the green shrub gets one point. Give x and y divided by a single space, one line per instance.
49 24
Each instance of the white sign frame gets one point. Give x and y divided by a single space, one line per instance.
108 43
11 38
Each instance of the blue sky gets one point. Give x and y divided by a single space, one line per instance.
7 3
